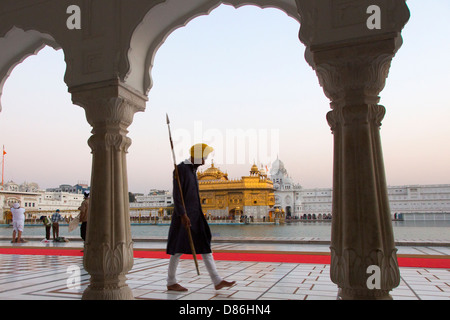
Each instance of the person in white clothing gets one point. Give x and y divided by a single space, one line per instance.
18 216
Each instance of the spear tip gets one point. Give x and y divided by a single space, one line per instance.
167 119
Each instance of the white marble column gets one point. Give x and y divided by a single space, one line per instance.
108 253
362 236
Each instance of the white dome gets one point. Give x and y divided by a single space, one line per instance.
278 168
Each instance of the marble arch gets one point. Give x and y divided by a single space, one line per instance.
151 33
108 64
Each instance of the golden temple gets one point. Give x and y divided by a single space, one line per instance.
251 197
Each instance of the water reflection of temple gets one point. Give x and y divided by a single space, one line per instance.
250 196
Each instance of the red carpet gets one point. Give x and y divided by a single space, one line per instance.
318 258
238 256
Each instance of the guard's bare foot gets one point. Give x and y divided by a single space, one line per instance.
176 287
224 284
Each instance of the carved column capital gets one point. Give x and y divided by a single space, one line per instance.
110 108
108 103
355 74
371 114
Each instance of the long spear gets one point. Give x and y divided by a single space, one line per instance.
181 195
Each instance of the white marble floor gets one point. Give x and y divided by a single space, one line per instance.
28 277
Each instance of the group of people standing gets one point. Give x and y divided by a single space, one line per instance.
52 222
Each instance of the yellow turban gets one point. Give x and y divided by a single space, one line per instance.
200 151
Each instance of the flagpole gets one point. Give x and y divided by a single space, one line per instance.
3 163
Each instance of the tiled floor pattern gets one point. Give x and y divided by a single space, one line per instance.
48 277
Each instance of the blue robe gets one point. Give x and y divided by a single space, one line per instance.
178 241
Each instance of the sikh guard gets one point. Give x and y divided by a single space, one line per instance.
194 219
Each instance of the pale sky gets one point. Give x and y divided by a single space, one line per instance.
237 70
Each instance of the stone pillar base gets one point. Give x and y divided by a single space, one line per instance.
119 293
355 294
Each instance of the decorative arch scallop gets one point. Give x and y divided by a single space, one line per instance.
17 45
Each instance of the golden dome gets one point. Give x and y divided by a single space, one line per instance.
212 173
212 169
254 170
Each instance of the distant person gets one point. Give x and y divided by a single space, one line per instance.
48 226
83 216
18 219
56 217
8 217
193 218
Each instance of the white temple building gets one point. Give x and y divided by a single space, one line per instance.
408 202
36 201
154 199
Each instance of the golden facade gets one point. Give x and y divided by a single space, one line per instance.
222 198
